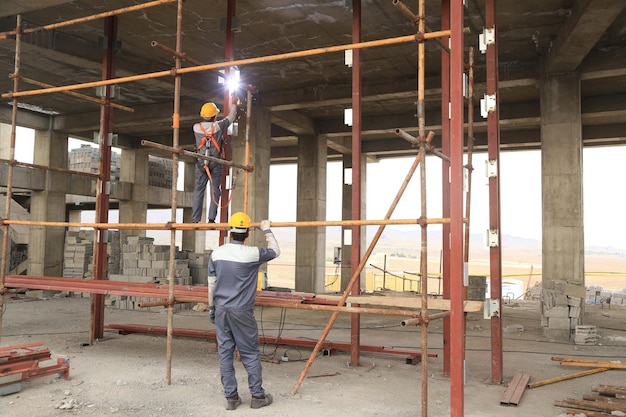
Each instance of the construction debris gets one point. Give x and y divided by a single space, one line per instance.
22 362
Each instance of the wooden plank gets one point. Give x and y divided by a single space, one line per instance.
517 386
403 302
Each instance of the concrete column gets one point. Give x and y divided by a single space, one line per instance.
562 205
134 170
5 141
311 205
45 247
346 214
259 138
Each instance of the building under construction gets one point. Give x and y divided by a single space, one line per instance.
329 81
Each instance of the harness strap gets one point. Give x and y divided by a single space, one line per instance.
210 136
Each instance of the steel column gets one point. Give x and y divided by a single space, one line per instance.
355 323
445 180
493 150
457 316
104 182
229 55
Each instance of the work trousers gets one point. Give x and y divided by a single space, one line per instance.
198 192
236 327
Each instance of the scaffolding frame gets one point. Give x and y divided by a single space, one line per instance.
452 153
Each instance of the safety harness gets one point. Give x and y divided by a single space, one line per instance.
210 136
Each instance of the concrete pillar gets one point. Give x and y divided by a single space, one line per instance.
562 205
45 247
311 205
134 170
346 214
259 138
5 141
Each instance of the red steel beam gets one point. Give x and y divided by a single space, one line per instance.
493 150
457 316
445 179
355 319
209 334
103 190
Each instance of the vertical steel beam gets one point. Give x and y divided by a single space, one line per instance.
104 181
445 178
493 150
457 316
355 324
229 55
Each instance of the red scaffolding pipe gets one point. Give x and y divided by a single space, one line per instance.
493 147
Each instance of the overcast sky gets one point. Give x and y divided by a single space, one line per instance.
604 174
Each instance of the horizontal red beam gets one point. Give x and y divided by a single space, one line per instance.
208 334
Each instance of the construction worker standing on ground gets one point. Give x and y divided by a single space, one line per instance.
232 278
209 134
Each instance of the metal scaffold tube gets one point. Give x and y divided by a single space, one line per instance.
7 208
240 62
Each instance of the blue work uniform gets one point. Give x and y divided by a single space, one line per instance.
235 268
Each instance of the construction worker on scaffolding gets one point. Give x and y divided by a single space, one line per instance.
232 280
209 134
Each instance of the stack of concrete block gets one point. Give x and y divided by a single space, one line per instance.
159 172
560 313
586 335
618 300
85 159
143 261
77 254
114 252
198 263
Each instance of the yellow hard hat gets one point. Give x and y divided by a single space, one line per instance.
240 222
209 110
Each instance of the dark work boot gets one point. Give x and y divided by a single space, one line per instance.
232 402
258 402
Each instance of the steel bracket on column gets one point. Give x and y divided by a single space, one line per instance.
491 308
492 238
488 37
487 105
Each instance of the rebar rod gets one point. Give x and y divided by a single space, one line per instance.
356 274
240 62
72 93
178 151
9 190
418 321
5 35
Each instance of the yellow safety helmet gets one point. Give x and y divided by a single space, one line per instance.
240 222
209 110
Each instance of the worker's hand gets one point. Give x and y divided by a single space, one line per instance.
265 225
212 314
234 100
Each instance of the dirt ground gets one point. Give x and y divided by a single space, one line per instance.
125 375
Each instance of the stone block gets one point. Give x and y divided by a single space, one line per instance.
557 312
558 323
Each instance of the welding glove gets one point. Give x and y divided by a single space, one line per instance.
265 225
212 314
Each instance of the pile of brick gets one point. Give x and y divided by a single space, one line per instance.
143 261
85 159
77 253
560 312
586 335
159 172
